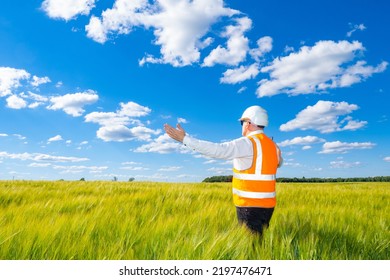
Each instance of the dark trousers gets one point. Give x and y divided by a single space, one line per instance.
256 219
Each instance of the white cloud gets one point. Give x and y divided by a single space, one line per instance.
242 89
34 96
162 145
10 79
132 109
35 105
182 120
188 176
386 159
122 116
121 18
15 102
292 163
107 118
344 164
121 133
130 163
37 81
179 26
134 168
205 43
35 164
324 117
73 103
338 147
67 9
55 139
301 141
220 171
315 69
20 137
358 72
355 28
288 49
264 45
15 84
237 45
114 124
150 59
170 168
238 75
22 101
40 157
74 169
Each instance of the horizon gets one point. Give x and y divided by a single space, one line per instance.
86 86
82 179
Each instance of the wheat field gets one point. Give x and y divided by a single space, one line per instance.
46 220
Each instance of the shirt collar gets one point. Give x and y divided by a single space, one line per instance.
256 132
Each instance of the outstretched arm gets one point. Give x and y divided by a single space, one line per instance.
177 133
238 148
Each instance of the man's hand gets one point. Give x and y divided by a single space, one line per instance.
177 133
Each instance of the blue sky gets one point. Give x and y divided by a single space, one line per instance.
86 86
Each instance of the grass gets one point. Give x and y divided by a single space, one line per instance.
193 221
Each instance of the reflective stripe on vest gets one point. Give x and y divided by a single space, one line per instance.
254 194
255 186
254 177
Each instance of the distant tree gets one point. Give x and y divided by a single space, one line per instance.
213 179
131 179
115 179
82 179
307 180
334 180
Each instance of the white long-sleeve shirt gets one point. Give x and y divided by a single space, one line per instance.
239 150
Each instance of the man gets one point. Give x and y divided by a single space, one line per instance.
255 161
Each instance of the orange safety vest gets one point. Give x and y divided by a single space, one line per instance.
255 186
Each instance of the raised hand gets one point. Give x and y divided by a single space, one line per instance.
177 133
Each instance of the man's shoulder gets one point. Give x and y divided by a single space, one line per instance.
242 140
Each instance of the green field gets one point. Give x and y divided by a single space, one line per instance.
159 221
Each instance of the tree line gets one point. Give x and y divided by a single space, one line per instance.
229 178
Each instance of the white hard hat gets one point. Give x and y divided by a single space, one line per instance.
256 115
